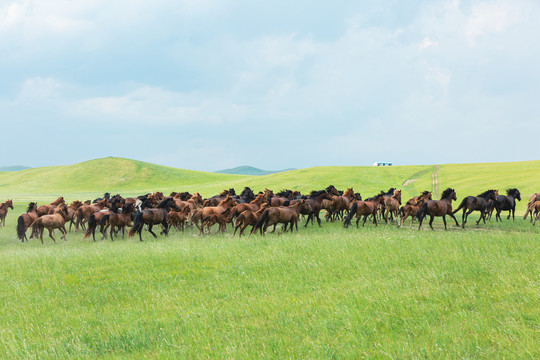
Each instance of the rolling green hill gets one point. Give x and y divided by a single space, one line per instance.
249 170
129 177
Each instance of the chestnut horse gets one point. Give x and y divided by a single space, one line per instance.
3 211
287 215
153 217
253 206
45 209
197 215
441 207
115 220
535 197
25 220
410 209
391 205
53 221
248 217
84 212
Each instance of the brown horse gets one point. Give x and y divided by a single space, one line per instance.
53 221
416 199
117 221
25 220
411 210
472 203
441 207
95 219
177 219
85 211
364 208
254 205
45 209
314 201
248 217
72 211
535 211
153 217
287 215
3 211
227 203
535 197
340 204
391 205
210 220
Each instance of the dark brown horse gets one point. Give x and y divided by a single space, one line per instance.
50 222
364 208
153 217
25 220
441 207
315 202
3 211
476 203
507 203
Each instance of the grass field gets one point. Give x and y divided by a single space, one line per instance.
320 293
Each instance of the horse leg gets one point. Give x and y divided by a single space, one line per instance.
50 235
444 221
318 218
41 230
150 230
420 222
64 231
431 218
453 217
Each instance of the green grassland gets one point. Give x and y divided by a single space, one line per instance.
374 292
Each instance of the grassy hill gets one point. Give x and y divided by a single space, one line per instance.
249 170
129 177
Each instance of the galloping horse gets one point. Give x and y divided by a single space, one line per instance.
416 199
315 201
53 221
391 205
197 215
45 209
411 210
441 207
364 208
472 203
84 212
341 204
3 211
253 206
247 218
535 197
287 215
115 220
507 202
153 217
25 220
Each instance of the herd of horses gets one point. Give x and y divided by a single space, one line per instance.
112 214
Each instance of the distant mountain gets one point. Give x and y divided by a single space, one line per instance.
249 170
13 168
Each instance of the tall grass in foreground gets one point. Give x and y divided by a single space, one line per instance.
320 293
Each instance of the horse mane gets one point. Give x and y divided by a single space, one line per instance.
512 192
389 192
31 206
486 193
127 208
285 193
316 193
227 198
446 193
425 193
164 203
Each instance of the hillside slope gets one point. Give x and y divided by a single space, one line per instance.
130 177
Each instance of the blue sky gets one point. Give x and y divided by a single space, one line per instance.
212 84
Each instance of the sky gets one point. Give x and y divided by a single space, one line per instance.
213 84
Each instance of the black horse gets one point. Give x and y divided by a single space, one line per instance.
472 203
105 196
507 203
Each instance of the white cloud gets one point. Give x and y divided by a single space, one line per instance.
427 42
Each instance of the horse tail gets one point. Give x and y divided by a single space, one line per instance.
92 225
420 214
463 203
20 228
36 224
349 217
262 221
104 219
137 224
239 219
78 216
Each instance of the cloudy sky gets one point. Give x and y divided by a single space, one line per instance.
212 84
